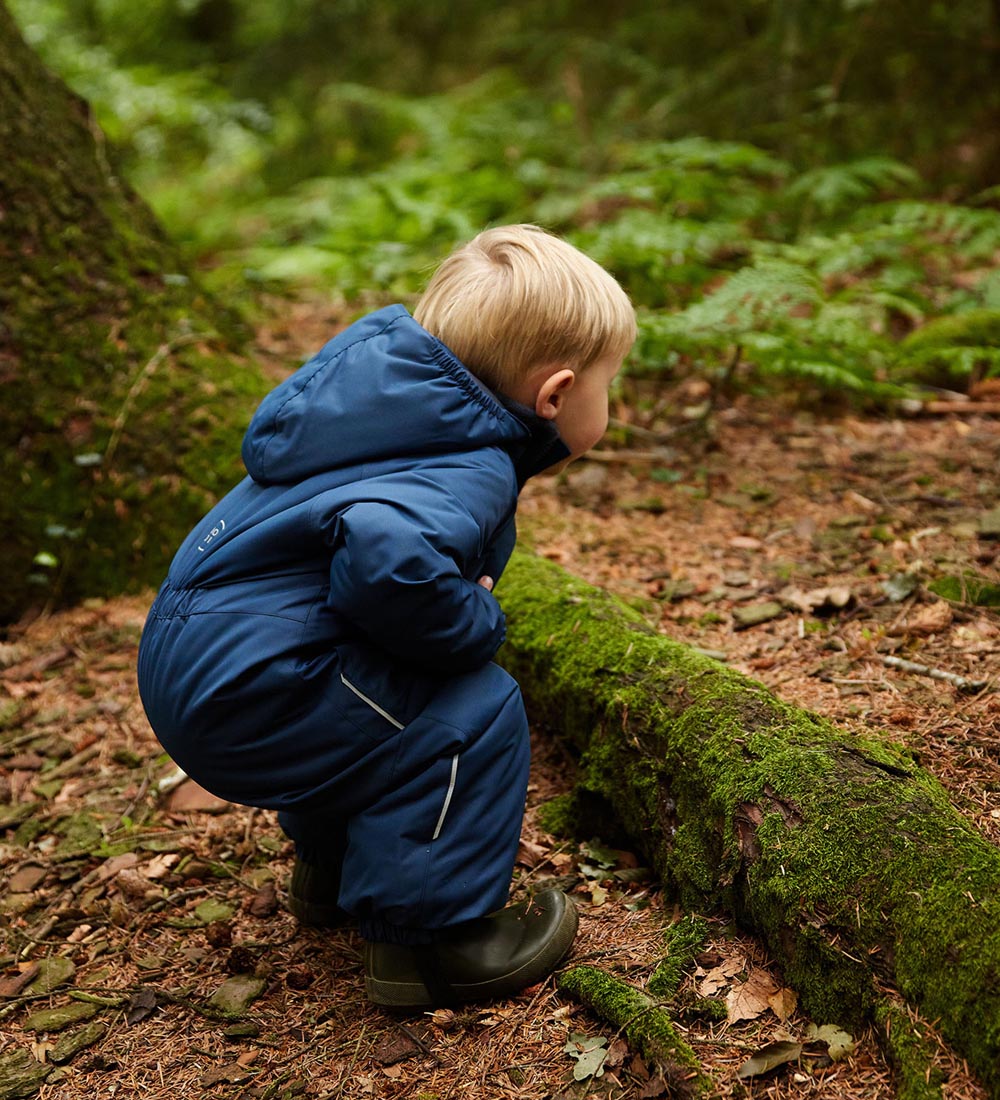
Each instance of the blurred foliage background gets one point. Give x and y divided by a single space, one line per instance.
805 194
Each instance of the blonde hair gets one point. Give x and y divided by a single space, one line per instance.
516 297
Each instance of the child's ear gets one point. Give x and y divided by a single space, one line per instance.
552 393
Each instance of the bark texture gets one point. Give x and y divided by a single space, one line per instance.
841 853
123 399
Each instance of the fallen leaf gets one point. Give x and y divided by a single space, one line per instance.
839 1043
655 1086
931 619
40 1050
899 586
233 1074
617 1052
719 976
160 866
530 854
751 999
141 1003
783 1003
133 885
395 1046
589 1052
111 867
265 902
26 879
819 599
756 613
769 1058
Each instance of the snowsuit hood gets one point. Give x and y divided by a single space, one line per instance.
390 375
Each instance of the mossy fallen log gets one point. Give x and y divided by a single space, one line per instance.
839 852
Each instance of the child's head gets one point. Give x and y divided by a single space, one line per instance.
515 298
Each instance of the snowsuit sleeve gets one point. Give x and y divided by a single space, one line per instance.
401 573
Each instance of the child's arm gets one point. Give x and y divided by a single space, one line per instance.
400 578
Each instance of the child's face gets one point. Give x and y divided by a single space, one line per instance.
582 417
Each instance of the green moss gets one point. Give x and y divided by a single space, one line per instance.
558 817
647 1027
685 940
910 1053
580 814
967 588
705 1009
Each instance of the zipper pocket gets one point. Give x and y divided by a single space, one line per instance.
447 797
371 702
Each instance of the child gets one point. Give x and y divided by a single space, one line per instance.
322 644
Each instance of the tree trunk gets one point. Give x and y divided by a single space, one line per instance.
839 852
123 402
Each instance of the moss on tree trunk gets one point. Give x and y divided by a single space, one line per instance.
124 401
843 855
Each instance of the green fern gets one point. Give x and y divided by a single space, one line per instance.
836 188
972 234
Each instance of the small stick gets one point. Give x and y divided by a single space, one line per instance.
961 682
625 455
169 782
987 408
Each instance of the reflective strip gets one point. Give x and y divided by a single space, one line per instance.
371 702
447 797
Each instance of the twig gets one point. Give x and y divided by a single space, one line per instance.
629 455
415 1038
169 782
140 377
961 682
127 812
642 433
986 408
67 767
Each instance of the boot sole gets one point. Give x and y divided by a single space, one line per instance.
392 994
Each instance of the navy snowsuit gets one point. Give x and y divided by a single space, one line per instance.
321 647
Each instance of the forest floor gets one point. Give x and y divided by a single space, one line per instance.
145 950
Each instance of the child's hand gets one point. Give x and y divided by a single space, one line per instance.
486 582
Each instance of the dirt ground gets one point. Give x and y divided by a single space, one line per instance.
155 913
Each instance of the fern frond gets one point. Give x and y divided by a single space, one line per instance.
838 187
754 297
973 232
702 154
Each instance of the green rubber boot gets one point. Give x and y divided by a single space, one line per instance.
312 896
483 959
